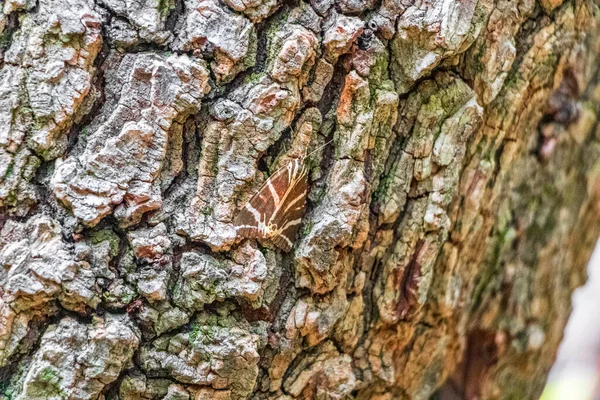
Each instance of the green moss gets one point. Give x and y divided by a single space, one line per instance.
203 334
9 170
13 387
119 296
379 72
512 81
49 375
165 7
5 40
5 392
46 385
307 228
84 132
250 58
384 183
28 172
11 199
254 78
273 42
127 261
127 388
107 235
211 292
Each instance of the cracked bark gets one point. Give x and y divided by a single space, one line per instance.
448 222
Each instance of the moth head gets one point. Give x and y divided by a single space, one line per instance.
269 231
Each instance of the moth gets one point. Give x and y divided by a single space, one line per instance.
275 212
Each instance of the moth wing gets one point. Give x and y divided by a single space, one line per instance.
258 211
288 216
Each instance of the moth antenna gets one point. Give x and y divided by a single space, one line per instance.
317 149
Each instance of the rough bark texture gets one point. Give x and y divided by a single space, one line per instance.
448 223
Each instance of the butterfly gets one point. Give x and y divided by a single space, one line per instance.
275 212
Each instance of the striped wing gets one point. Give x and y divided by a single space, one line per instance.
275 211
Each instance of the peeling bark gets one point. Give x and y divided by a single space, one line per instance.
448 221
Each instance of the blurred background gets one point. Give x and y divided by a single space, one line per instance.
576 372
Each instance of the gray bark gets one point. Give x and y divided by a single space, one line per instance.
448 222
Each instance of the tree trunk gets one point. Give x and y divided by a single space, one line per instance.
448 222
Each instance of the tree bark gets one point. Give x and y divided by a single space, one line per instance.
448 222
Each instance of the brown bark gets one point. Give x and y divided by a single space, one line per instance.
448 222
